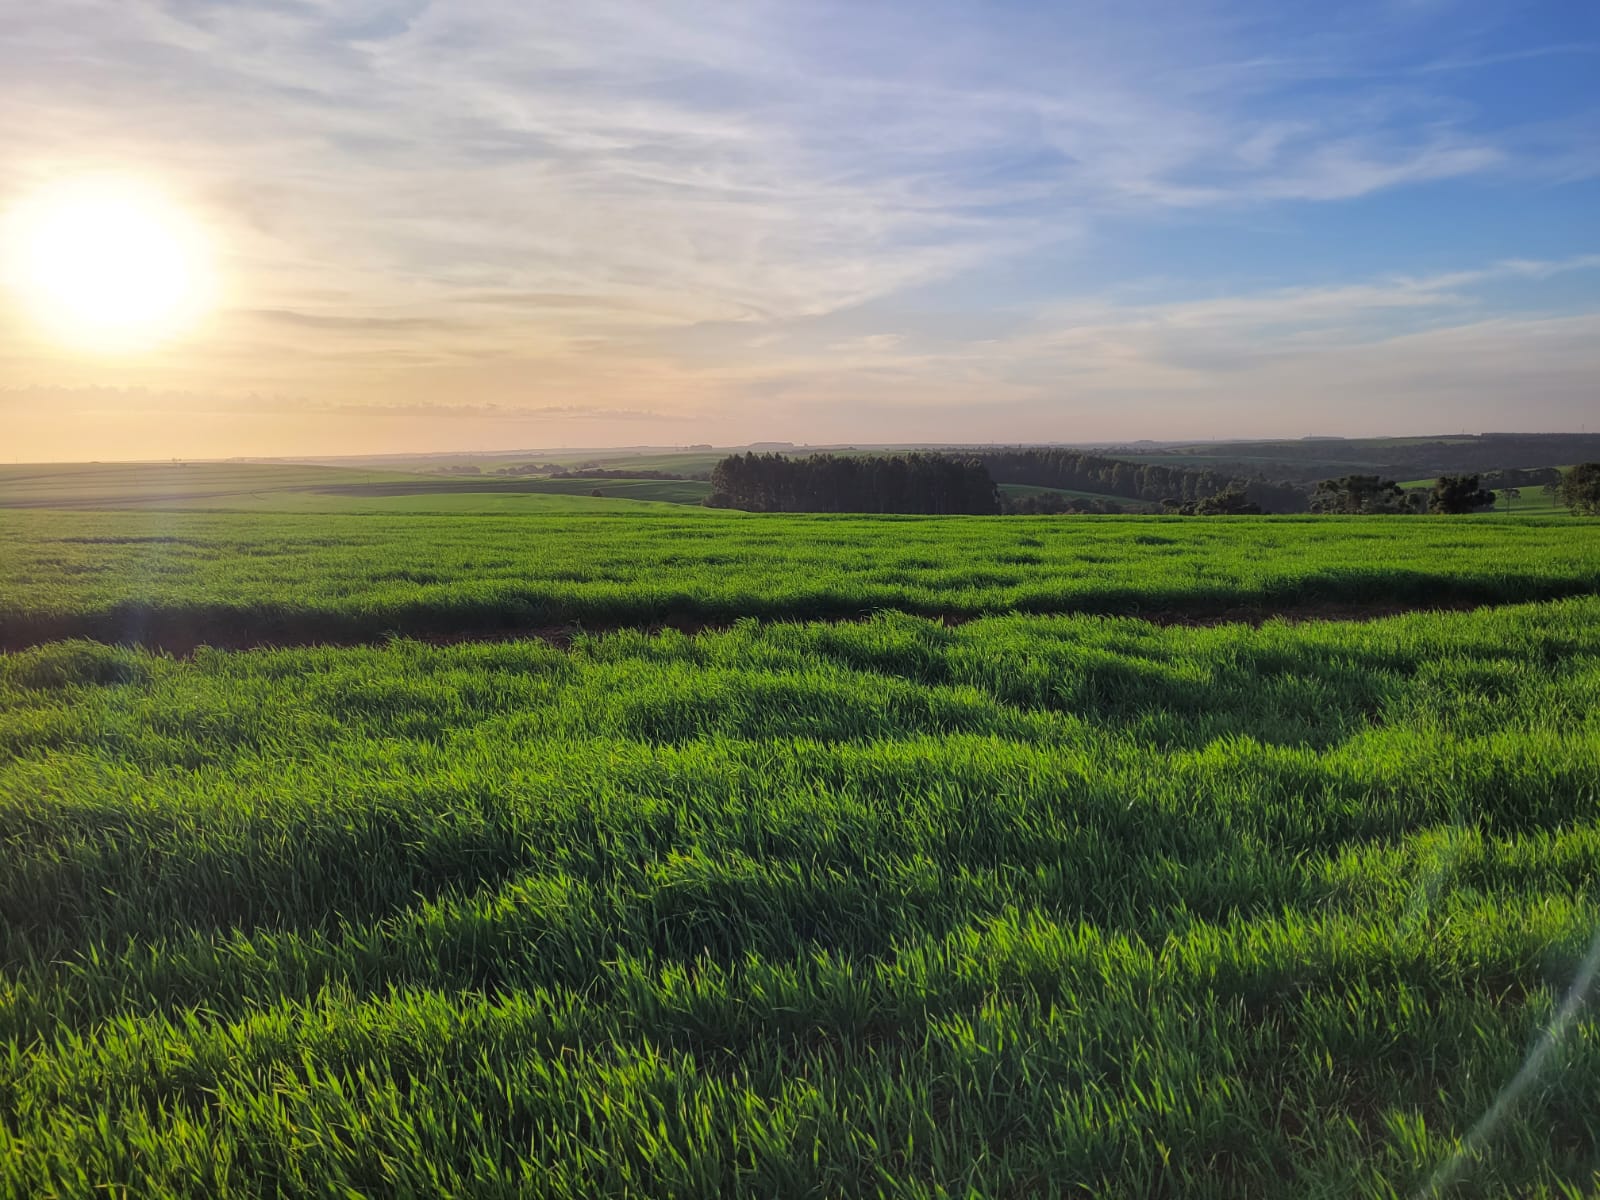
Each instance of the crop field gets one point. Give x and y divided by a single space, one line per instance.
111 485
455 501
917 863
1064 904
278 487
664 491
250 578
1019 490
458 496
1531 502
688 462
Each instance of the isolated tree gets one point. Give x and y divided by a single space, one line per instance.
1042 504
1359 494
1579 489
1230 502
1453 495
1512 494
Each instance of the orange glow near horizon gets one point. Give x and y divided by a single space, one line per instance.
108 265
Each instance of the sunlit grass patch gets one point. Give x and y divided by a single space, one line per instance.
1027 904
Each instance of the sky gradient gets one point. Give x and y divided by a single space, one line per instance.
478 224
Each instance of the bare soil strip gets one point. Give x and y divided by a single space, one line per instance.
182 635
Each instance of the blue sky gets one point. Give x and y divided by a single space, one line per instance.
484 223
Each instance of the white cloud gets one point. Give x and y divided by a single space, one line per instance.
645 203
710 155
1390 355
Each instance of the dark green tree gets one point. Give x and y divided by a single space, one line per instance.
1453 495
1353 494
898 483
1230 502
1579 489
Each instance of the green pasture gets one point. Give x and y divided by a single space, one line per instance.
1531 502
119 575
1033 906
1020 490
275 487
117 485
950 857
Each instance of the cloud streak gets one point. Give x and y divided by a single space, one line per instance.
686 212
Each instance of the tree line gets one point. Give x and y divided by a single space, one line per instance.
1578 489
1075 470
935 483
893 483
1060 504
1366 494
1307 461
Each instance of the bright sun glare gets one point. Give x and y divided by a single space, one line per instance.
108 265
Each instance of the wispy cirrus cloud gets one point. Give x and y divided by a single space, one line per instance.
1288 360
650 204
743 161
507 412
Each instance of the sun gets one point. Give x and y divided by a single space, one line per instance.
108 265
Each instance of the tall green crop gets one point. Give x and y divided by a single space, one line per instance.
1031 905
176 579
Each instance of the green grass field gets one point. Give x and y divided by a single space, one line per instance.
123 485
1036 904
340 576
1531 503
272 487
1122 502
688 462
1055 900
665 491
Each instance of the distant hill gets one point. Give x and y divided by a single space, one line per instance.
1309 459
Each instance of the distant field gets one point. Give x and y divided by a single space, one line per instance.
667 491
1532 503
290 488
426 495
111 485
1262 463
1028 489
694 462
346 575
676 461
1423 459
419 502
